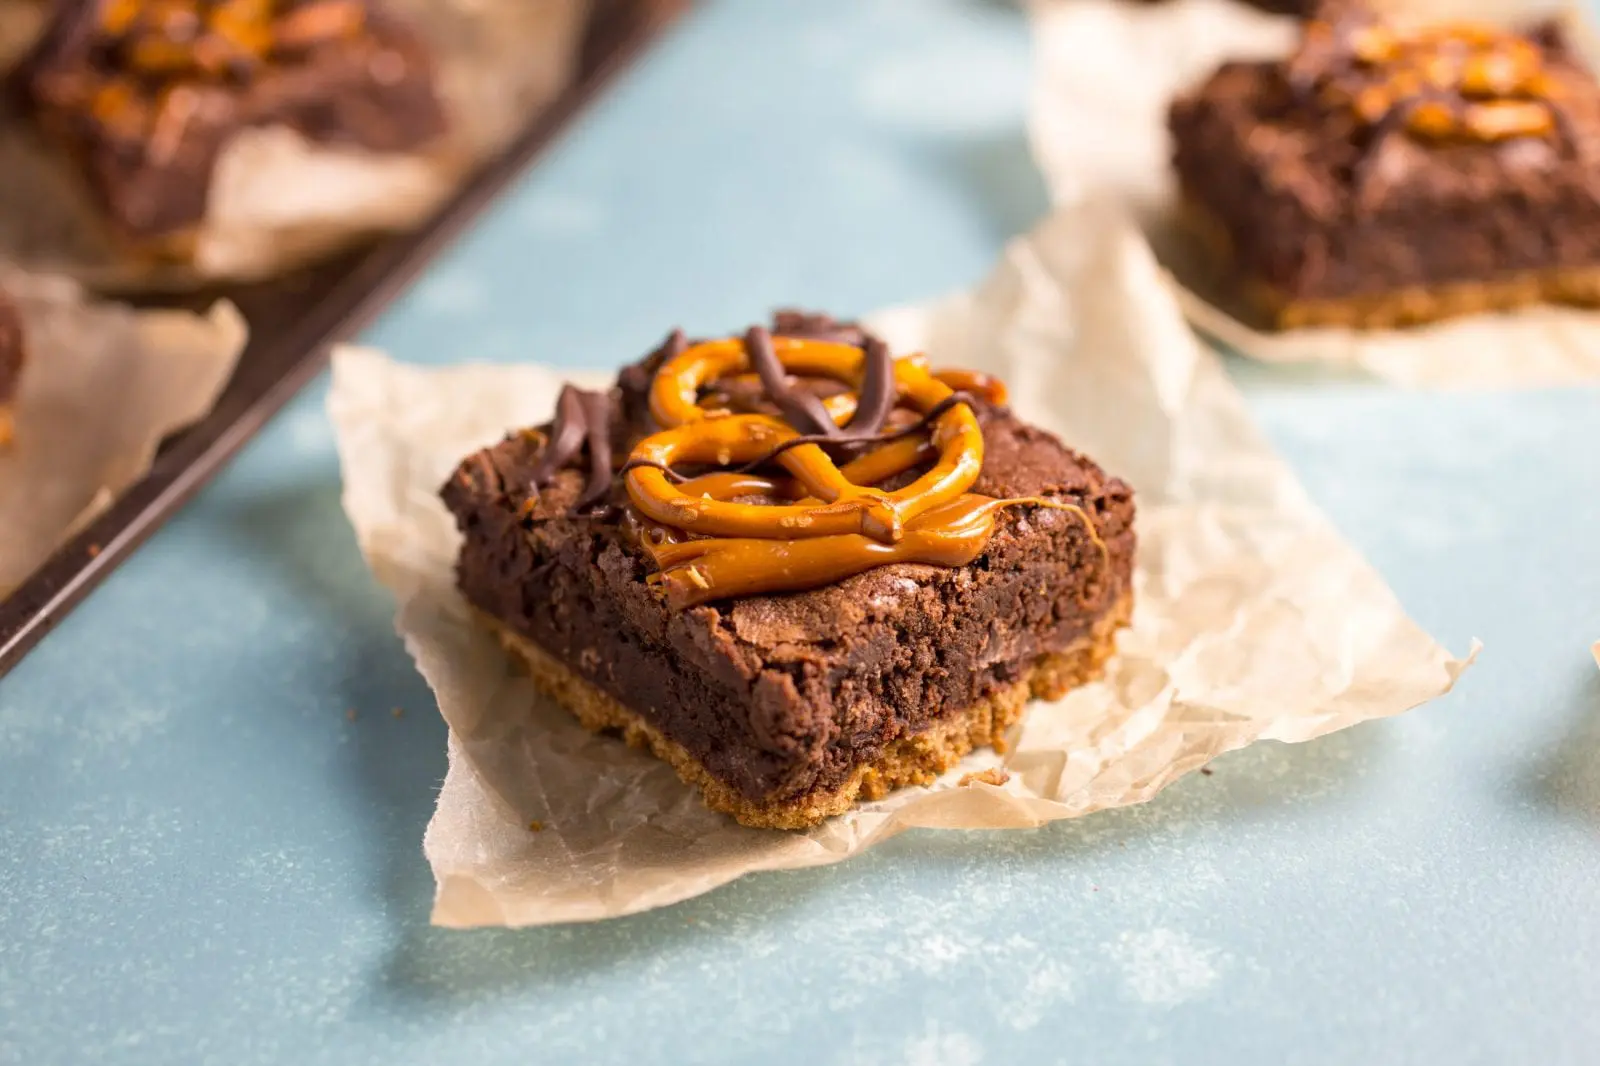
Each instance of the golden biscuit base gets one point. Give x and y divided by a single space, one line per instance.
1412 305
914 760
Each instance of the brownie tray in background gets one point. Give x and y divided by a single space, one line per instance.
294 320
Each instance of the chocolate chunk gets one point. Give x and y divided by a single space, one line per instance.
582 422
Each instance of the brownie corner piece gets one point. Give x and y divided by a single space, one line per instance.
790 705
146 97
1332 192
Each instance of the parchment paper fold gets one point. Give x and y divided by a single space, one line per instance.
104 385
1105 72
1254 620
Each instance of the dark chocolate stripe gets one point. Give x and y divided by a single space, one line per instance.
803 410
877 392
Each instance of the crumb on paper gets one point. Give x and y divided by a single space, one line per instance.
994 775
536 826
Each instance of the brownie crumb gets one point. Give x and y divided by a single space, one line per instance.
536 826
398 712
1206 770
994 775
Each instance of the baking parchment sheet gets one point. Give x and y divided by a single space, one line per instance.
1254 619
102 387
1104 74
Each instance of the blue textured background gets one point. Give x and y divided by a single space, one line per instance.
203 860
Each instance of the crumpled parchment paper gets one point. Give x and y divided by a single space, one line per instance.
102 387
279 201
1254 620
1105 71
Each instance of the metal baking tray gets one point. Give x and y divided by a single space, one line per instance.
294 321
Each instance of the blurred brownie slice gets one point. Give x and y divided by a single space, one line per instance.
146 95
1389 173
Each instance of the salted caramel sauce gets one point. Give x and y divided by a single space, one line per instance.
745 531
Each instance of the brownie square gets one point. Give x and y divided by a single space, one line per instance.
784 709
13 352
1323 216
147 96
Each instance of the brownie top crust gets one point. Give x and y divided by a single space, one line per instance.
149 93
781 694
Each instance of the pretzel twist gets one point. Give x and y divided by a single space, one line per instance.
831 522
834 503
1466 80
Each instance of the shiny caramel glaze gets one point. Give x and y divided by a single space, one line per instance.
824 521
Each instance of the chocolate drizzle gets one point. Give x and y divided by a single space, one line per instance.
583 418
877 388
803 410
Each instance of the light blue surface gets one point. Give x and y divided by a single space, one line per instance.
203 860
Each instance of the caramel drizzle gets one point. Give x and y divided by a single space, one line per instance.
692 572
859 472
832 521
1452 81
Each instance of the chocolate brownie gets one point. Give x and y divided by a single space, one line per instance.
13 351
147 95
1387 174
786 707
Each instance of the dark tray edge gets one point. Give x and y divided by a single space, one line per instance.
274 367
